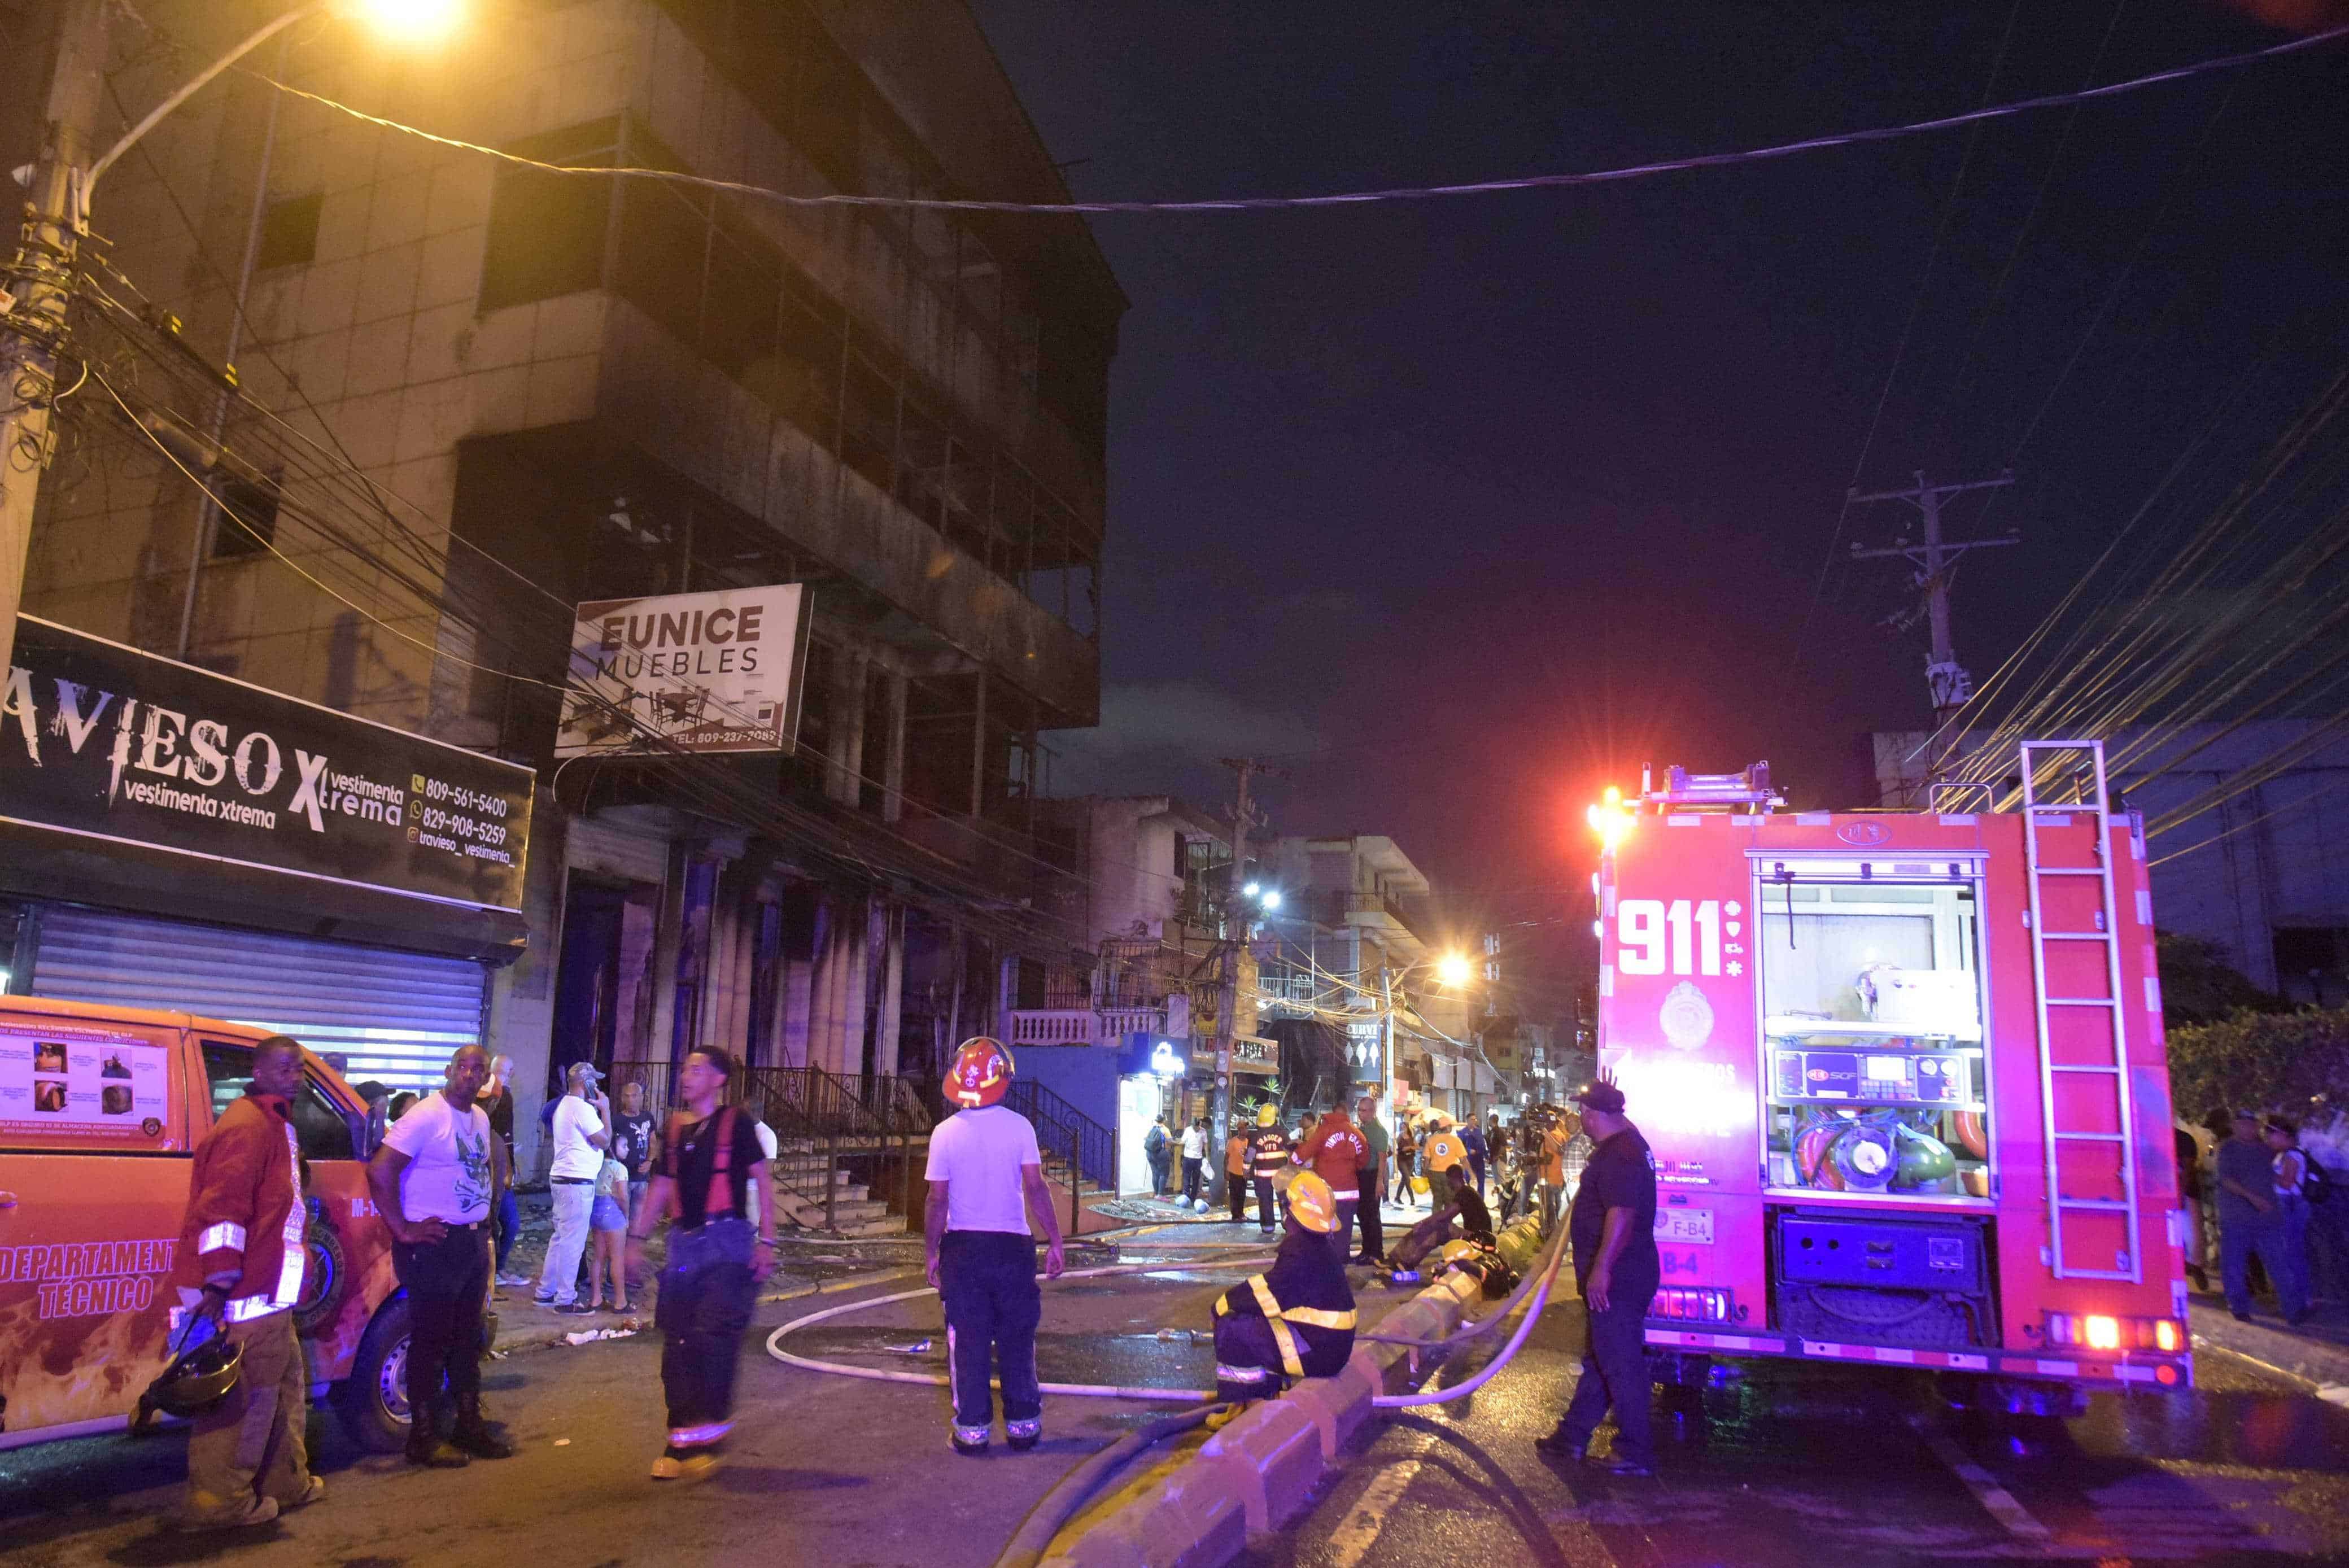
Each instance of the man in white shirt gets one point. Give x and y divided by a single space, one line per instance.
987 1181
582 1134
435 1180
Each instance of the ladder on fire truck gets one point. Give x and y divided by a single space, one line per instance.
2065 1125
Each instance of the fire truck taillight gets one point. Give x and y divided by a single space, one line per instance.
2095 1331
1685 1304
1609 820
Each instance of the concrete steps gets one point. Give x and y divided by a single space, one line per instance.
799 1172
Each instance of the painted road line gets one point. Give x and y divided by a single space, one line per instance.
1352 1540
1995 1498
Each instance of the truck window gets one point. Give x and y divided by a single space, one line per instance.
1873 1060
322 1129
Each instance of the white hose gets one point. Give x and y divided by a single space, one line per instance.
1506 1353
937 1380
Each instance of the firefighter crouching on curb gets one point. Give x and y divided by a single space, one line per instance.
987 1182
243 1257
1297 1318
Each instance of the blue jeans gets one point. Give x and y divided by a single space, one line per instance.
1615 1373
509 1226
2283 1248
986 1279
702 1313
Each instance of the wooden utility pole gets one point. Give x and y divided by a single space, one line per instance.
36 287
1936 560
1236 915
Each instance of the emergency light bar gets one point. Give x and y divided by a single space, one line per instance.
1686 1304
1749 789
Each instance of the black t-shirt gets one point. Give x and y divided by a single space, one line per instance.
634 1145
689 1157
1621 1174
1475 1219
500 1111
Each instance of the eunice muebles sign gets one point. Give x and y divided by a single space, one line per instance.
107 742
690 672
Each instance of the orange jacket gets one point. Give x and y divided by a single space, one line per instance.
1337 1151
245 1215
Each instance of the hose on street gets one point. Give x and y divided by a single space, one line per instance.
938 1380
1503 1357
1466 1331
1063 1503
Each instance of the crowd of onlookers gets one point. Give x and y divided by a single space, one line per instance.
600 1162
2271 1186
1518 1165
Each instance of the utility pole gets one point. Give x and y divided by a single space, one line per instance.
1936 560
1228 1014
37 286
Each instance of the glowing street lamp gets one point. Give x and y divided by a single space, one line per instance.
1270 897
1453 969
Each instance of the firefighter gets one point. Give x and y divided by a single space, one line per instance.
242 1257
1445 1156
1271 1157
1334 1150
987 1184
1297 1318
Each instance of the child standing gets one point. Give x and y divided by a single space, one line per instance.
608 1220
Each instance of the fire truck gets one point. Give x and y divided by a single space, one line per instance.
1902 1077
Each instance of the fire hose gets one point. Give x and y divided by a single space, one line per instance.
1507 1352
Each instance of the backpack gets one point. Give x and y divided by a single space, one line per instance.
2315 1185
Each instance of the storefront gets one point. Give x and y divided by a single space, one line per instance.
173 838
1151 1074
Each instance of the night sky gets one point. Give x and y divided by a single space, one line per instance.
1465 507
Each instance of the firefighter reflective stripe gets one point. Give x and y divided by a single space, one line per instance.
288 1289
696 1436
1283 1335
1316 1317
222 1237
1350 1195
1240 1374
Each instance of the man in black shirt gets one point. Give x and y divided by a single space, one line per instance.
1612 1229
711 1158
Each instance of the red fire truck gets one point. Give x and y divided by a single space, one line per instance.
1903 1078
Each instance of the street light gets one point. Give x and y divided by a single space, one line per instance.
56 216
1270 897
1453 969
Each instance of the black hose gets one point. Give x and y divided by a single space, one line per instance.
1058 1506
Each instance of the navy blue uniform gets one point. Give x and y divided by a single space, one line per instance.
1294 1320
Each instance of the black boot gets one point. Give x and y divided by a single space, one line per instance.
473 1434
426 1449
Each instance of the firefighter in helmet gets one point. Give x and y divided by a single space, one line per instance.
1270 1155
987 1185
1297 1318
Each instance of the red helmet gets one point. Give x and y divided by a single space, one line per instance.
982 1074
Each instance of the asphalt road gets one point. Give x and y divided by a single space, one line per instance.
1804 1466
823 1469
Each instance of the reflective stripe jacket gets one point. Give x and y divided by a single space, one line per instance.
1305 1296
1271 1146
1336 1151
245 1216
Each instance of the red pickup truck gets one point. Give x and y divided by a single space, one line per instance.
101 1110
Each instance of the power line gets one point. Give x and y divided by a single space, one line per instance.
1364 198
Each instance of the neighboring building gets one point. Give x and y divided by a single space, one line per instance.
2263 871
563 389
1355 934
1128 1043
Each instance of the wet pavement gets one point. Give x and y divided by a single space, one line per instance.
1803 1465
823 1469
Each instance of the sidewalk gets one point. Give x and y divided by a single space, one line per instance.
2315 1351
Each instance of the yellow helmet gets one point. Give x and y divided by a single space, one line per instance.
1445 1150
1310 1204
1266 1114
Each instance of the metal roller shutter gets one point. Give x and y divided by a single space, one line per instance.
395 1015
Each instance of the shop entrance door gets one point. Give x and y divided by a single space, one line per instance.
587 979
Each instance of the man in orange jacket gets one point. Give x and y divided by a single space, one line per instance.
1336 1151
241 1256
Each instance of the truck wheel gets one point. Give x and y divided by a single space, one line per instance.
322 1286
373 1401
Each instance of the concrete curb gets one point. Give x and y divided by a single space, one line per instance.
2319 1363
1261 1471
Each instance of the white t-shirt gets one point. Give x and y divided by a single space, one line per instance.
575 1122
751 1195
1195 1144
447 1175
978 1153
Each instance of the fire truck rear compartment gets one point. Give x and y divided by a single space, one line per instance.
1871 1279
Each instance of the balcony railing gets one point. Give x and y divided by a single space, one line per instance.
1082 1025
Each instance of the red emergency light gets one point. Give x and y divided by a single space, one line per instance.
1684 1303
2097 1331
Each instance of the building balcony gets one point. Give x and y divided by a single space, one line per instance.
1082 1025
